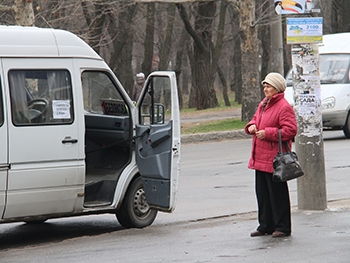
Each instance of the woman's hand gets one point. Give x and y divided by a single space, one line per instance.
252 129
260 134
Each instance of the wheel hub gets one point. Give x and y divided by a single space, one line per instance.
141 206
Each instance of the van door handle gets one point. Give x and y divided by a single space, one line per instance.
69 140
4 167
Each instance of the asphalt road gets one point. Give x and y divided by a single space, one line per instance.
215 213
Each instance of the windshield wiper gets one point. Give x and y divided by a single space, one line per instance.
328 81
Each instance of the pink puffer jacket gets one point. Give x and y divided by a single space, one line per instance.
278 114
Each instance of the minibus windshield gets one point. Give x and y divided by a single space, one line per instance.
334 68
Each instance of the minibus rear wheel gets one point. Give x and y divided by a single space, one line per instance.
135 211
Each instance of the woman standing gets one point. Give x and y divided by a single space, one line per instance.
273 113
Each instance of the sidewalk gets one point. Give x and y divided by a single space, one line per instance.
318 236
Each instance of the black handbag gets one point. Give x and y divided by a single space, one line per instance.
285 164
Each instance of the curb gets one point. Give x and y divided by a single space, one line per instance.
214 136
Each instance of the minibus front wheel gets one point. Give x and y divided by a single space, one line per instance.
135 211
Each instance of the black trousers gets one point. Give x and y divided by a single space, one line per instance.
273 204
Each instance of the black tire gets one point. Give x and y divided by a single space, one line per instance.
135 211
346 128
36 222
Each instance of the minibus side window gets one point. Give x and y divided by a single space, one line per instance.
41 97
101 95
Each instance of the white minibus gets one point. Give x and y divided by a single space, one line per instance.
73 142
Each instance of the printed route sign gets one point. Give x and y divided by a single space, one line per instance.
304 30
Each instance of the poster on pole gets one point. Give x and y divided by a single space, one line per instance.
304 30
288 7
307 104
284 7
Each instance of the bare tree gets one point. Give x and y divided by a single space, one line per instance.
250 54
166 43
217 51
179 64
130 35
235 56
326 9
22 11
121 32
264 33
95 21
340 16
202 95
149 40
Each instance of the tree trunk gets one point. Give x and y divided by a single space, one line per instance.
224 87
287 55
326 12
217 51
236 82
341 13
264 36
121 31
24 13
203 79
149 41
95 23
250 71
220 36
264 33
179 64
166 46
202 95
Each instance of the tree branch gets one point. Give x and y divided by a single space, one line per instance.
189 28
5 8
220 36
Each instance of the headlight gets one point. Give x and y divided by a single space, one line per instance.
328 103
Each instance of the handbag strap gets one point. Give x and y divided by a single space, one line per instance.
280 142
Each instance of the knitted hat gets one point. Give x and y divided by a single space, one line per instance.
276 80
140 75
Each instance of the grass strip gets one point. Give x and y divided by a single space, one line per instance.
212 126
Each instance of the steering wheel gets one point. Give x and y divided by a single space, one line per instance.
37 108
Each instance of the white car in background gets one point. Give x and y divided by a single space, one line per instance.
335 82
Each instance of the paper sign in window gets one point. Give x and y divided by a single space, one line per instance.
61 109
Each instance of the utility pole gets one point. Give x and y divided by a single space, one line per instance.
307 96
309 140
